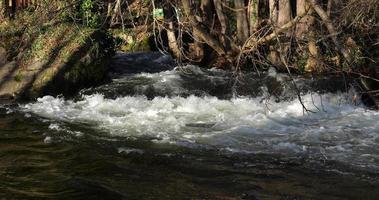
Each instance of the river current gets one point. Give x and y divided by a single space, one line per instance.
190 133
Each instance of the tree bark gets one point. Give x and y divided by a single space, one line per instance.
329 7
202 33
273 55
302 8
2 10
242 25
284 15
224 25
206 8
305 32
109 8
273 9
253 15
172 42
116 12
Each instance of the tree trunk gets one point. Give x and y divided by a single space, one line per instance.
109 9
273 5
329 7
202 33
302 8
223 23
242 25
284 15
196 49
206 8
313 63
116 12
273 55
253 15
2 10
170 20
172 42
305 28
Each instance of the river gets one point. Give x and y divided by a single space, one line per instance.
190 133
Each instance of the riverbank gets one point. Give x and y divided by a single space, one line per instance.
59 58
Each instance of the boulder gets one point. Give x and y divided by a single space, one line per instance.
62 60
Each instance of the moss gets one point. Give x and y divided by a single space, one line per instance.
132 40
65 58
84 58
18 77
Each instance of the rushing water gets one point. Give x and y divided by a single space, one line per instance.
188 133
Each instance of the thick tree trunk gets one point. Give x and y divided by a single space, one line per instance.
242 25
225 30
313 63
172 42
273 55
302 8
273 9
284 15
305 32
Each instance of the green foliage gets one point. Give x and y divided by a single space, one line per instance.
89 14
302 62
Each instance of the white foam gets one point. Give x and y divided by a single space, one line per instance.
336 130
59 128
130 150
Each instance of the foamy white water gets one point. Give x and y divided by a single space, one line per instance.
336 130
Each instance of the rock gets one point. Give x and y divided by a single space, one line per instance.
272 72
150 62
61 60
3 56
369 89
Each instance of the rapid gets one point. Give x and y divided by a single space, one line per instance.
192 133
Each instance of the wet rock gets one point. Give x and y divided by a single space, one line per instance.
369 90
131 63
